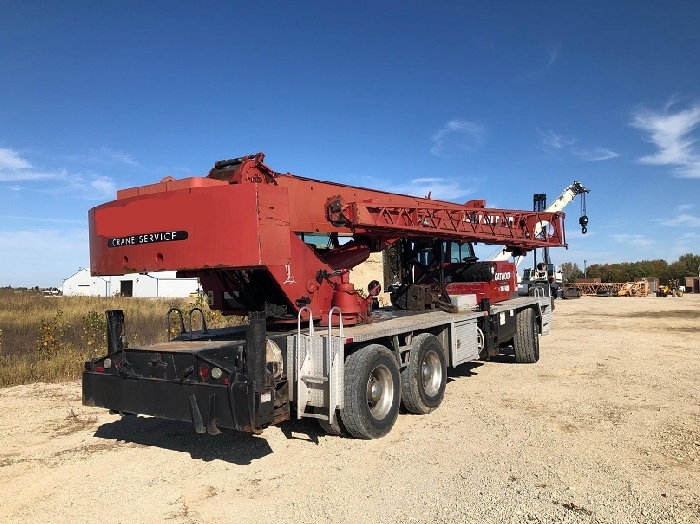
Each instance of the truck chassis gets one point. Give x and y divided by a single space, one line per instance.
352 379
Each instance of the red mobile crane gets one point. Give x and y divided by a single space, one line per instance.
243 231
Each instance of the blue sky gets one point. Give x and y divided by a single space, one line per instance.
494 101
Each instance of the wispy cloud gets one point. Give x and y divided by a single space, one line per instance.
10 159
15 168
437 188
551 140
671 130
101 187
104 155
86 187
682 219
457 137
685 243
42 220
633 240
453 189
552 53
594 155
120 157
44 240
29 175
554 144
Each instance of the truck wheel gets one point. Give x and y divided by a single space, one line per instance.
372 392
336 428
423 380
526 342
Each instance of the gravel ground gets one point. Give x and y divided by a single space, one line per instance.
605 428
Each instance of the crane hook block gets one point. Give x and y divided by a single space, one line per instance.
583 221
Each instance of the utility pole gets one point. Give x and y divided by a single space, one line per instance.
584 268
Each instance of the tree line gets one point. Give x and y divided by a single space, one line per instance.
687 265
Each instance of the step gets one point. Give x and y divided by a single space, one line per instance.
319 416
314 379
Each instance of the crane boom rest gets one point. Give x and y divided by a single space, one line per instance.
248 234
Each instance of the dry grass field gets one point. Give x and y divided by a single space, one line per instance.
47 338
605 428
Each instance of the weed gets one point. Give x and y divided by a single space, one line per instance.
51 335
94 334
48 338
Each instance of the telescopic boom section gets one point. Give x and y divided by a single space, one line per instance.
471 222
244 232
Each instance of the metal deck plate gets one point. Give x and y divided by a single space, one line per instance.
390 322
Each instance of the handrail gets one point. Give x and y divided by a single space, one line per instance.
340 321
311 321
182 321
204 323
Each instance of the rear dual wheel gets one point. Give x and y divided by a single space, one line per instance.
372 392
374 387
423 380
526 342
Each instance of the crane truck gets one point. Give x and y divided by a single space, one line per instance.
311 345
544 274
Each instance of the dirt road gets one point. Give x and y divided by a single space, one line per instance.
605 428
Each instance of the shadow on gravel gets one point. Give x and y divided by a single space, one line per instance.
507 356
463 370
305 429
229 446
684 314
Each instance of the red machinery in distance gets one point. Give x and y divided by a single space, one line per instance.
243 231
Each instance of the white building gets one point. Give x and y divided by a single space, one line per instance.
161 284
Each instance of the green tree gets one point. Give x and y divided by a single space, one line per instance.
686 265
690 263
570 271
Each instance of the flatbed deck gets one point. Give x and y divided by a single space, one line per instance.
386 321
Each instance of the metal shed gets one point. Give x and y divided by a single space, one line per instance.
161 284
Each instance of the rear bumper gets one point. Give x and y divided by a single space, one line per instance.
209 407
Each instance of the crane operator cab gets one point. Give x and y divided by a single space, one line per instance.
429 271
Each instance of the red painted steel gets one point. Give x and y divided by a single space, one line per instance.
239 230
470 222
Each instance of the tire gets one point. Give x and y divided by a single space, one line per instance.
526 342
423 380
336 429
372 392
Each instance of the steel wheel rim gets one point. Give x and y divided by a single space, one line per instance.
380 392
431 374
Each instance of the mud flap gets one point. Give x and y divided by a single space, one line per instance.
242 401
196 415
212 428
